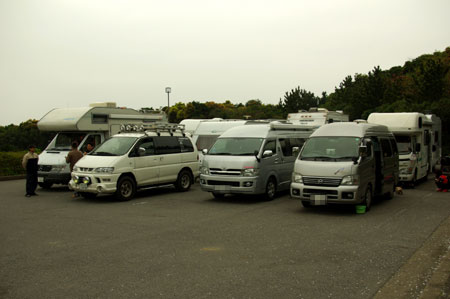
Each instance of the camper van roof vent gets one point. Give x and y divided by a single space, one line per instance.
360 121
104 104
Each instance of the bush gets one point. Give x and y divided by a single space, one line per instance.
11 163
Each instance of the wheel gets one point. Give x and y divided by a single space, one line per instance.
126 188
45 185
184 181
88 195
218 195
271 189
368 198
306 204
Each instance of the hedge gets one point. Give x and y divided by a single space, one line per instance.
11 163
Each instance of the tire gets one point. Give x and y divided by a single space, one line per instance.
184 181
306 204
126 188
88 195
218 195
45 185
368 198
271 189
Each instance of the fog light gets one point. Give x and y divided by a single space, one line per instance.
347 195
248 184
202 181
86 180
99 189
296 191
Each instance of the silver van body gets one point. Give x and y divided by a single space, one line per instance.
346 163
252 159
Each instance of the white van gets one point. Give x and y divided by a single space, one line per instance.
161 155
84 125
252 159
317 117
418 138
346 163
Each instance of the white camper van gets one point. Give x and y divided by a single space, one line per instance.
418 138
208 131
346 163
84 125
252 159
316 117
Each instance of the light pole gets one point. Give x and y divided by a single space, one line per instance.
168 91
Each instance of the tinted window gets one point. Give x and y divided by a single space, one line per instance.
386 147
99 119
186 144
270 146
394 145
286 147
148 145
167 145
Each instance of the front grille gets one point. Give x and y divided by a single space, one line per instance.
218 171
319 181
45 168
222 183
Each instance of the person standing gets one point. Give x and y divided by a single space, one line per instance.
30 164
72 158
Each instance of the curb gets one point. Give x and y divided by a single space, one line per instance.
12 177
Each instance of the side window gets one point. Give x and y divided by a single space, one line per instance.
167 145
94 140
394 146
186 144
297 142
271 145
285 147
386 147
148 145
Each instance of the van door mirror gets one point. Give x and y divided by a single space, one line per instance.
363 151
295 150
417 147
141 151
204 151
267 153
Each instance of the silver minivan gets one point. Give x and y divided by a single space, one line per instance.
252 159
346 163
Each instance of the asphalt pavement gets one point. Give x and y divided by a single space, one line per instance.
188 245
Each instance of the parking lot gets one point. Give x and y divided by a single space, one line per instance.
188 245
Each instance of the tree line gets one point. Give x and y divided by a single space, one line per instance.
420 85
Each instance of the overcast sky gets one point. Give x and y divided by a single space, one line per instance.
69 53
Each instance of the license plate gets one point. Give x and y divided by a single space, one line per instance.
222 188
82 186
319 199
40 179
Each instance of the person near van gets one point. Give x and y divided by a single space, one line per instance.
30 164
441 181
72 158
89 148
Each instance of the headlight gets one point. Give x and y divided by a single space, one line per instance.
350 180
204 170
250 172
297 177
408 170
104 169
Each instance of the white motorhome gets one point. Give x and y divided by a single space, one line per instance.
253 159
346 163
418 138
83 125
316 117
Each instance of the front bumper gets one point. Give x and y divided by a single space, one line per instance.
231 185
406 177
340 195
98 183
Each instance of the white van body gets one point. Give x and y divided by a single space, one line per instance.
252 159
316 117
190 125
330 169
84 125
133 160
418 138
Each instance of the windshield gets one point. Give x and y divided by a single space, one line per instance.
236 146
403 144
331 148
63 141
116 146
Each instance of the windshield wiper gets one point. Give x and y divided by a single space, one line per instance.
103 154
221 154
346 157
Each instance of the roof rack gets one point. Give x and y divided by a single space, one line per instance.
154 127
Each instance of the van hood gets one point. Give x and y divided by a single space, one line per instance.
89 161
52 158
324 168
229 162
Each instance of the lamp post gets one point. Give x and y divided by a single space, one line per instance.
168 91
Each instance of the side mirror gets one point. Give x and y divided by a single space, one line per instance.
141 151
295 150
204 151
267 153
363 151
417 147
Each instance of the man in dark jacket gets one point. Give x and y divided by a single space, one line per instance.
30 164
